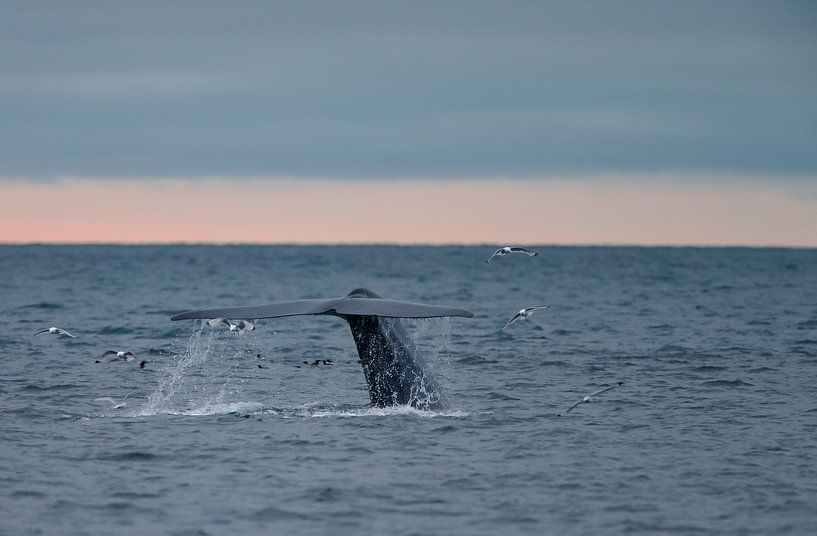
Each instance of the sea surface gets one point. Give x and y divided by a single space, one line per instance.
714 430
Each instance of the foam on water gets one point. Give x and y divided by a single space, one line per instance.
222 409
389 411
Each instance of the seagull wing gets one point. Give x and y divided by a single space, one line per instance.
106 399
523 250
537 308
513 319
109 352
63 332
41 331
494 255
604 389
568 410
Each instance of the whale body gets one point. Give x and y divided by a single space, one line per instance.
395 373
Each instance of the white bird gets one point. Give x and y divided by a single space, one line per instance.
55 331
589 398
507 250
237 326
117 404
125 356
523 313
240 326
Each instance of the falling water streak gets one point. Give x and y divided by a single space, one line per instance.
435 359
198 349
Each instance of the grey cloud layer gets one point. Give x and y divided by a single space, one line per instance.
406 89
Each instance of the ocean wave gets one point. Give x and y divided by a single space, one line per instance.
727 383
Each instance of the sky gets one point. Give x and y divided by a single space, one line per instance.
634 121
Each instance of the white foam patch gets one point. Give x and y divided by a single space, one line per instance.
385 412
222 409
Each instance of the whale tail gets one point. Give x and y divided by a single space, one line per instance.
394 373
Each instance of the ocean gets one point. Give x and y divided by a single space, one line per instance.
713 431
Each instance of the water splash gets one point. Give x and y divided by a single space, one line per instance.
190 381
430 340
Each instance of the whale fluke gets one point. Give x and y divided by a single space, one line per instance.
359 302
394 374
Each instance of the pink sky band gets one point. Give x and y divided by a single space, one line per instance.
596 210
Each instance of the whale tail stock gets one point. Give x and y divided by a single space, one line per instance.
395 374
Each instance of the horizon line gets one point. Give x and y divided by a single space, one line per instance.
552 245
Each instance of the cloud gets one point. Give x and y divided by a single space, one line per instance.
451 90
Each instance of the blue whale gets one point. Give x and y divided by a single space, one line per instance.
394 372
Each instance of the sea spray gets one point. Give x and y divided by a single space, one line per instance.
198 348
201 377
430 341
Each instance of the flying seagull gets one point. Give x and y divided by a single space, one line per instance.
523 313
589 398
240 326
507 250
237 326
55 331
117 404
125 356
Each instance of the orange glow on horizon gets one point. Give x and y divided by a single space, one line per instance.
428 212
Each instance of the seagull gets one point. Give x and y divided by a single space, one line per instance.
214 322
55 331
507 250
124 356
523 313
589 398
117 404
238 326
